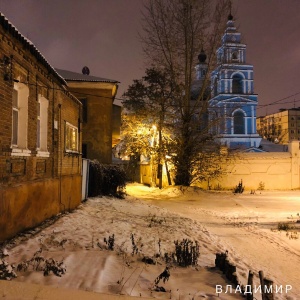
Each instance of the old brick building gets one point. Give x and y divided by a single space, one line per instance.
40 138
100 118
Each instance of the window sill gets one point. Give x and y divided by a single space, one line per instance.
20 152
70 152
42 154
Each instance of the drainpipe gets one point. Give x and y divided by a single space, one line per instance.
60 146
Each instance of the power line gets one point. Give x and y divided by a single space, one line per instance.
259 106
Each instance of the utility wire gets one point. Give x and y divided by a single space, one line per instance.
259 106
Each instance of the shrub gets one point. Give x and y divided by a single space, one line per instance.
239 188
6 271
261 186
106 180
283 226
110 242
186 253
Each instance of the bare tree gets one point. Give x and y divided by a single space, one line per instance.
174 32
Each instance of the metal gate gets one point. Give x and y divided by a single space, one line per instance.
85 179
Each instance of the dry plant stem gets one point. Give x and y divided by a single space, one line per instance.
128 279
137 279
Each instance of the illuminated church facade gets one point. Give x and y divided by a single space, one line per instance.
233 103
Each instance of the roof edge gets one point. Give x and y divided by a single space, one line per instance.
14 32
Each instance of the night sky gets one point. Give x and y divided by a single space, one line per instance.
103 35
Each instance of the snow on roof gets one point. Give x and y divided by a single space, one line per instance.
271 147
253 149
13 31
73 76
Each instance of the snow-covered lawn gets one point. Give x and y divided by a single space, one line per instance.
244 225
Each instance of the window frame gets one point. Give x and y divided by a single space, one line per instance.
237 84
42 127
239 122
68 149
15 118
19 143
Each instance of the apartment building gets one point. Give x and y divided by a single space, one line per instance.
282 127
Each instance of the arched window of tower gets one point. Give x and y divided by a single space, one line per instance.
234 56
239 122
237 84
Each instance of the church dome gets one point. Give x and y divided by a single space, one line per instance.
230 17
202 56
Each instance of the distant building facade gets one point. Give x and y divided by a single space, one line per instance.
282 127
99 118
40 140
232 108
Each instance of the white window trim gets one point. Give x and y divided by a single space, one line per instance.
20 152
20 149
42 151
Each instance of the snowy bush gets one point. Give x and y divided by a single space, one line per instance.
110 242
239 188
261 186
283 226
6 271
106 180
186 253
56 267
39 263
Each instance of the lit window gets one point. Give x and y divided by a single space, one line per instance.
71 138
42 126
19 119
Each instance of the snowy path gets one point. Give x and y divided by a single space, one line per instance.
242 224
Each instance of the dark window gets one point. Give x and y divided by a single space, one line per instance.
84 110
234 56
237 84
238 121
216 87
84 150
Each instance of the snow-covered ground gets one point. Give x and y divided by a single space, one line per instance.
244 225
